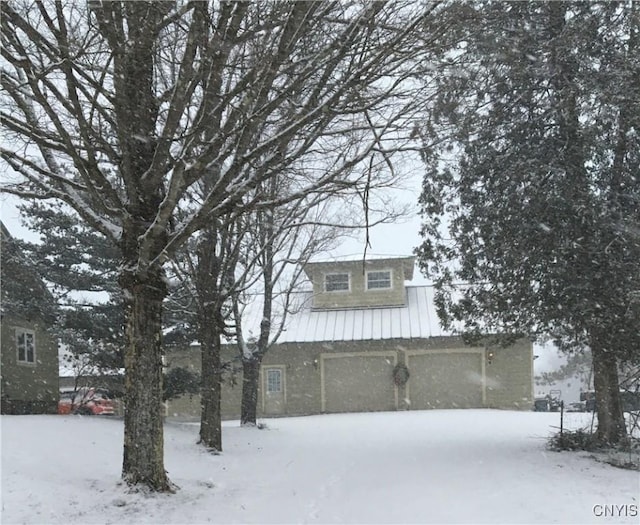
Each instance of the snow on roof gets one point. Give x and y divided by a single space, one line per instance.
416 320
358 257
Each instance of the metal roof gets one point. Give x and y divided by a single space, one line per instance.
416 320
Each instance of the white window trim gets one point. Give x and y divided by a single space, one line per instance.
324 282
366 280
26 331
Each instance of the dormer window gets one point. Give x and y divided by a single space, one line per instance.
336 282
379 280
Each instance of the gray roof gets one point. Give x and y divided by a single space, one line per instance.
416 320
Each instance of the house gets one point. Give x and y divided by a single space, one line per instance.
29 372
365 341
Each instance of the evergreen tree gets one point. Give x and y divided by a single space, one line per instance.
74 262
23 293
80 268
540 209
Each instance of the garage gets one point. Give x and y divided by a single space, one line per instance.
359 382
449 379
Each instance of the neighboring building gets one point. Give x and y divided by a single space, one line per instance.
29 352
367 342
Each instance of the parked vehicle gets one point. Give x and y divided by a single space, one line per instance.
86 401
630 400
541 404
549 403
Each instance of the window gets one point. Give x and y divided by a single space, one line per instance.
26 343
336 282
379 280
274 380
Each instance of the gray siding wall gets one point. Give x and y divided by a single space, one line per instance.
358 295
27 387
507 381
510 377
188 406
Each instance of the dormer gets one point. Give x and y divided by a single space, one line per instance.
360 284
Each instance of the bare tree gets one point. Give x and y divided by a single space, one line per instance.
95 116
233 257
206 271
284 240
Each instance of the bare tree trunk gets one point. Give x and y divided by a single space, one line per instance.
210 419
142 281
250 382
251 363
611 426
143 425
209 277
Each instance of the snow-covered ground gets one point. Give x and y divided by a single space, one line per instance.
464 466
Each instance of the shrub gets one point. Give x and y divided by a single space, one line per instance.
573 440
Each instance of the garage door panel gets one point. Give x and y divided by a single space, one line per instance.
445 380
358 383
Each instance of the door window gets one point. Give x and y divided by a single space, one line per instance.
274 380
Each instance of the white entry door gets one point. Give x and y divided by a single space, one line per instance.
274 389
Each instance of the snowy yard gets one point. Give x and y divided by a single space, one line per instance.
465 466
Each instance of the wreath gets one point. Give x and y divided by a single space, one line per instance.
400 375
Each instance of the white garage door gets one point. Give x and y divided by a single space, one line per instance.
445 380
358 382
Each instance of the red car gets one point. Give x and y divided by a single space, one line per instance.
86 401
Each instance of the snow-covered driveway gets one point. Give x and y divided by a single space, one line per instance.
465 466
